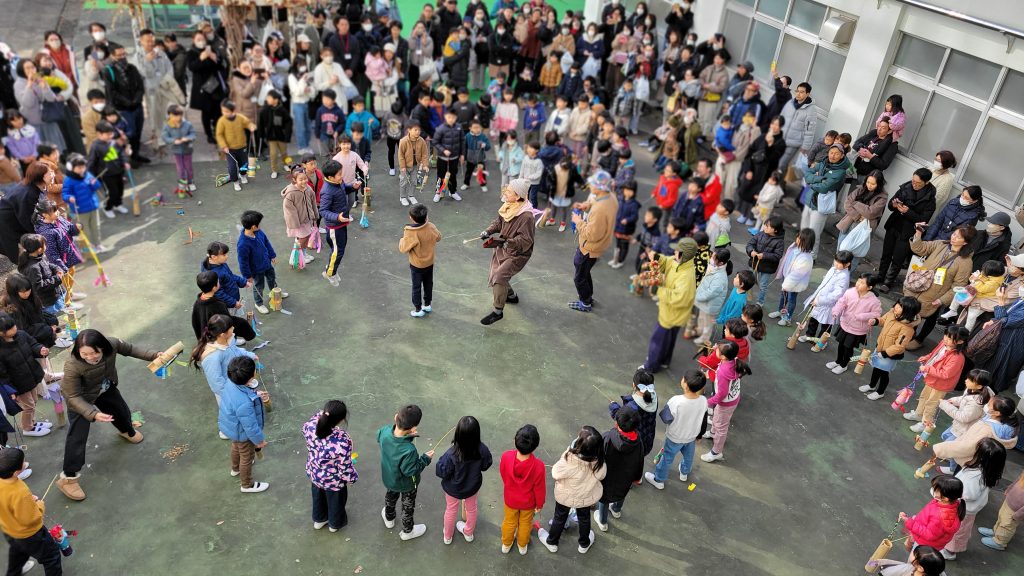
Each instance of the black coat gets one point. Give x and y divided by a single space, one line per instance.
625 461
203 310
7 97
125 86
275 123
884 150
921 204
775 104
16 209
501 48
43 275
763 169
348 52
449 138
953 216
771 248
457 66
202 71
31 318
985 251
18 366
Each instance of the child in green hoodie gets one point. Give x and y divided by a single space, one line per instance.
400 467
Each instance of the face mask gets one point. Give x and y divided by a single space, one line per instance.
328 60
964 202
993 229
200 44
565 31
501 30
302 69
478 21
615 2
99 107
367 27
936 165
99 36
647 42
526 10
210 36
686 5
748 120
54 44
639 11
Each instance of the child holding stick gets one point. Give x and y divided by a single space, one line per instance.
79 192
969 407
897 328
240 418
712 292
329 465
60 246
855 310
577 475
941 369
824 298
525 488
795 272
19 368
939 520
726 397
684 415
400 467
461 471
643 399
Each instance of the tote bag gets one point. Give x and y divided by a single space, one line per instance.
858 241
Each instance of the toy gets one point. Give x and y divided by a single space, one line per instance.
164 360
865 354
820 343
922 472
921 440
275 299
903 396
72 324
297 258
61 537
881 551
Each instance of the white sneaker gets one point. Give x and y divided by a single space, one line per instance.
334 280
391 172
712 457
273 175
36 430
78 295
947 555
874 396
319 525
543 535
44 423
840 369
283 295
446 541
865 388
649 476
683 477
417 313
522 550
256 487
506 549
222 435
263 309
239 341
803 338
917 428
30 564
243 178
427 309
597 521
405 201
64 342
412 200
308 257
109 213
456 196
775 314
483 188
100 249
191 187
583 550
417 531
463 187
24 474
437 197
911 416
122 209
461 527
617 265
387 523
785 322
831 365
238 187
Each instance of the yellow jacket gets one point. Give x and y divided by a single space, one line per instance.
987 286
676 293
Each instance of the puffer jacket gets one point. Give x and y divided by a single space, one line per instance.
942 374
577 485
953 216
771 249
648 412
299 205
449 138
241 414
45 281
712 291
477 147
965 410
894 334
854 311
832 287
244 93
60 248
457 65
83 190
962 448
84 382
801 122
334 205
826 177
18 365
934 525
624 459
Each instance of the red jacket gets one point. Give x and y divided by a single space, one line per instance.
934 525
944 373
317 185
525 481
666 192
711 196
711 360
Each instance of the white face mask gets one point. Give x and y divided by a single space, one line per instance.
54 44
328 60
478 21
936 165
99 107
99 36
501 30
639 11
565 31
367 27
253 384
199 44
964 202
526 10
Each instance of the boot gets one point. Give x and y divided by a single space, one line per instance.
133 439
70 487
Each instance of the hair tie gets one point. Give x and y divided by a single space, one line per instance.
645 387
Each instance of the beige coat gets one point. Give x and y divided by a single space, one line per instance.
412 154
576 483
243 94
596 232
857 211
894 334
419 243
958 273
963 447
299 206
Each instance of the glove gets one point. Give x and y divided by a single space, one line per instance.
484 235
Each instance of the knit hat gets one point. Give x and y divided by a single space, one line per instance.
521 187
748 65
302 38
687 248
389 47
999 218
600 180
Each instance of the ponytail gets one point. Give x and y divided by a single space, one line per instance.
755 315
217 324
334 413
742 368
961 509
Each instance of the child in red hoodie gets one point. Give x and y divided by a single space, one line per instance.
736 330
525 489
940 518
666 192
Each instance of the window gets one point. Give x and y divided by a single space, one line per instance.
795 55
807 16
735 30
774 8
761 48
824 78
1011 96
920 56
947 125
970 75
995 164
914 101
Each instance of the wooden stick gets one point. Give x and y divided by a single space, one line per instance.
438 443
602 393
50 486
473 239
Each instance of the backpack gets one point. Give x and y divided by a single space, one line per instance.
394 128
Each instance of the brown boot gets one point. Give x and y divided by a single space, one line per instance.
133 439
70 487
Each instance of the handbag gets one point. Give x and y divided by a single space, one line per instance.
858 240
919 280
983 345
643 88
212 85
52 111
758 156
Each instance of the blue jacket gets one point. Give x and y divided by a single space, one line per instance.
629 210
953 216
462 479
648 237
662 242
169 134
624 174
570 87
254 254
733 307
241 414
83 190
691 210
229 282
550 156
477 147
370 123
596 48
738 108
327 122
535 116
215 367
333 203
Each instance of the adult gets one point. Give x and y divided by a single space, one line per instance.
893 114
865 202
479 32
622 49
763 157
90 388
457 64
801 124
329 75
95 55
421 59
34 94
1008 354
594 234
589 46
675 301
875 150
742 139
67 109
511 235
18 206
780 97
7 94
964 210
154 66
825 181
743 77
448 17
706 50
178 56
314 31
245 86
346 49
992 243
749 100
942 178
687 136
209 85
126 91
913 202
713 81
951 263
302 92
680 18
63 56
711 187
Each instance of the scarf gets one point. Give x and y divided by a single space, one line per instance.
510 210
632 436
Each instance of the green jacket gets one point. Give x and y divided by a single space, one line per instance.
826 177
400 464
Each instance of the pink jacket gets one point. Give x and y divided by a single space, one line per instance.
376 68
943 374
934 525
854 311
727 385
349 163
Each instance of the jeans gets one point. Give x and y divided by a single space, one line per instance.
422 278
560 519
329 506
408 508
602 510
668 455
764 279
787 303
584 283
40 546
109 402
303 125
268 277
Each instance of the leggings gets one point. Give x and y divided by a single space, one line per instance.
879 380
843 355
392 146
621 249
815 329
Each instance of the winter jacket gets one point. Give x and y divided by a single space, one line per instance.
990 248
244 93
739 108
858 209
419 242
60 248
525 481
125 86
412 154
551 75
457 65
770 248
532 169
558 121
648 412
46 284
962 448
570 87
584 45
334 205
511 160
106 158
462 478
796 269
801 122
577 485
942 374
501 48
84 382
370 124
400 463
625 174
231 132
214 362
677 292
534 117
83 190
254 253
975 495
597 231
230 283
465 112
624 459
727 385
579 124
854 311
711 194
953 216
329 462
920 204
894 335
666 192
958 273
934 525
826 177
476 147
733 307
712 291
884 150
299 206
449 139
275 123
629 211
832 287
965 410
240 417
168 134
18 365
328 122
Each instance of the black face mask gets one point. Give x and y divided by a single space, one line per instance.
46 71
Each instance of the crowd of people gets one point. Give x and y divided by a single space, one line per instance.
557 101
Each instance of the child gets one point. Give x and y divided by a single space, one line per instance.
534 117
765 252
400 467
420 114
644 400
558 121
832 287
111 115
648 236
624 103
578 129
216 346
45 276
230 284
666 192
526 84
767 199
624 457
79 192
465 111
532 170
256 258
496 88
360 114
233 141
711 294
897 328
179 134
939 520
625 223
941 369
240 418
27 537
393 121
982 291
720 224
20 370
1001 423
506 115
625 171
20 301
510 158
567 178
485 114
21 139
818 152
275 122
728 377
733 307
736 331
418 241
753 317
450 146
690 209
855 310
461 471
58 234
361 146
685 417
924 561
551 75
300 212
969 407
328 121
602 157
795 272
108 160
207 305
477 147
524 479
978 476
413 156
351 163
723 139
577 474
329 465
334 210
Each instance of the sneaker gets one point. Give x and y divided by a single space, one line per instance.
911 415
391 172
619 513
463 187
308 257
28 566
256 487
36 430
122 209
874 396
222 435
775 314
947 555
412 200
110 213
191 187
543 535
239 341
831 365
579 306
100 249
944 470
819 347
334 280
840 369
986 532
611 263
803 338
683 477
417 531
44 423
447 541
428 309
522 550
243 178
865 388
273 175
437 197
319 525
991 543
582 549
483 188
417 313
262 309
387 523
461 527
506 549
456 196
284 295
405 201
561 226
617 265
597 522
549 222
917 428
238 187
491 318
711 456
74 306
785 322
63 342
